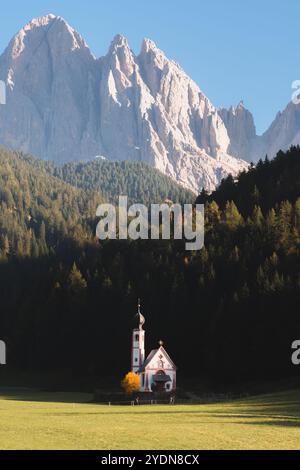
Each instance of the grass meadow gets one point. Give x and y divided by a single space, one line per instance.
32 420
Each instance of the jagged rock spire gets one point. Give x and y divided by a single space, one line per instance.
72 106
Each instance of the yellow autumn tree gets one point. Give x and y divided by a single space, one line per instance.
131 383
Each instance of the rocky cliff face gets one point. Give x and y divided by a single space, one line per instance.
51 106
244 142
64 104
284 131
241 130
150 110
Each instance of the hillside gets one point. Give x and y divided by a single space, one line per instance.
41 207
60 289
265 185
37 210
140 182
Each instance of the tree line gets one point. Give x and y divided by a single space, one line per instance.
228 311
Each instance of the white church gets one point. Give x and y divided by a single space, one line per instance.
158 371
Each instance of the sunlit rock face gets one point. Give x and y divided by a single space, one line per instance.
63 104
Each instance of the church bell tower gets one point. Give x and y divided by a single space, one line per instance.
138 343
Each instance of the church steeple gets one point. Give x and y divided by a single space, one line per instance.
142 320
138 343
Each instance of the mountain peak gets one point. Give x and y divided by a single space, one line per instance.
125 107
45 25
235 109
148 45
120 57
149 48
119 41
43 21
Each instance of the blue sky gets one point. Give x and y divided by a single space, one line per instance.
233 50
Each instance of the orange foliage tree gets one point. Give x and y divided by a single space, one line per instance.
131 383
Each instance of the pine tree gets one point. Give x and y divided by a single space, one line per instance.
232 216
76 282
257 216
6 246
43 249
297 215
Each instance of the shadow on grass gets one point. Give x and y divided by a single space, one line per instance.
30 395
274 418
280 422
279 412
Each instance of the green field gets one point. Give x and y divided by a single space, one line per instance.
66 421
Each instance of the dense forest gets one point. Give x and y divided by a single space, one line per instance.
39 211
265 185
140 182
228 312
